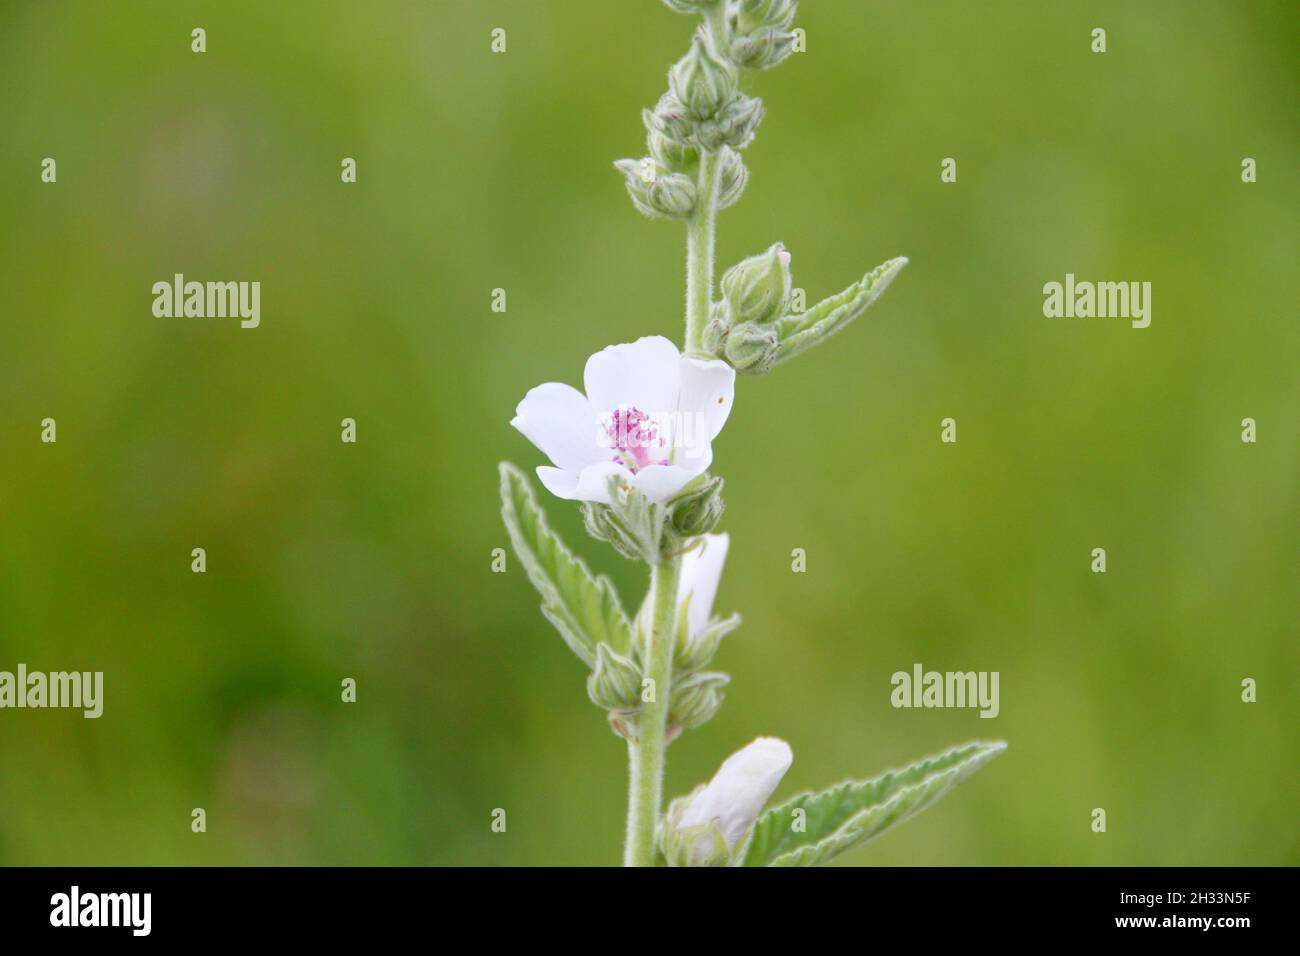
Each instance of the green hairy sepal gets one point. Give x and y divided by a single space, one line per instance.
641 530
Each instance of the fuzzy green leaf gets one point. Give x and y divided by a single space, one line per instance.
583 607
853 812
800 332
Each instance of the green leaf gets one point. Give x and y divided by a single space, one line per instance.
584 608
853 812
800 332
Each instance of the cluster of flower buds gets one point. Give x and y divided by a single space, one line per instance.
656 191
642 530
697 693
759 31
761 34
645 531
742 325
751 327
631 524
615 685
702 82
616 681
704 110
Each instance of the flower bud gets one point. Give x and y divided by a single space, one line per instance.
698 510
604 524
673 196
758 14
702 82
735 796
752 348
739 121
696 651
695 699
762 49
656 191
716 329
702 845
734 125
699 845
631 523
669 117
758 288
614 682
671 153
732 177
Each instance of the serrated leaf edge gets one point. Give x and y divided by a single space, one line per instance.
556 607
825 848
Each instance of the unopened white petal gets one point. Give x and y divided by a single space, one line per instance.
701 572
738 791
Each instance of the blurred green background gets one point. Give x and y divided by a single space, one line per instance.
480 171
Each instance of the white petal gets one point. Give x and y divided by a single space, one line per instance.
661 482
694 458
707 393
561 483
560 421
701 572
593 482
736 794
644 374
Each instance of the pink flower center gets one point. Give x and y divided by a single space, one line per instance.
632 434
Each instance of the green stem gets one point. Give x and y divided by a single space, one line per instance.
699 253
646 753
716 19
700 227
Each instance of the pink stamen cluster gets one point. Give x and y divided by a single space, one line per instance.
633 433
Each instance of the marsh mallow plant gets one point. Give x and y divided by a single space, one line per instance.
634 447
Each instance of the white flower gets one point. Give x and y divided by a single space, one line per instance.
700 574
736 794
650 414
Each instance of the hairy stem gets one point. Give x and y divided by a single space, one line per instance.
699 253
700 227
716 19
646 754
